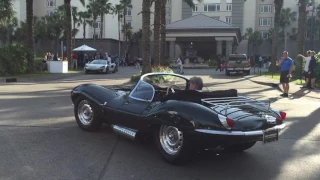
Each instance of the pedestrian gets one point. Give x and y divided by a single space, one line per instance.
75 61
286 64
311 69
136 59
219 62
260 61
123 61
306 68
117 61
179 66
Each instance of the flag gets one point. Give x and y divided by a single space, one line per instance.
309 7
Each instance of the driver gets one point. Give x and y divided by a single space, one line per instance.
196 83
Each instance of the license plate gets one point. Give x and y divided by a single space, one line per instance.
238 68
270 136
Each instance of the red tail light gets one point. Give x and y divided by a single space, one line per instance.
283 115
230 122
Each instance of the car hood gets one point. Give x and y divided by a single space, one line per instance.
95 66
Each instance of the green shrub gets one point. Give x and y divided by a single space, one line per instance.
136 77
212 63
13 59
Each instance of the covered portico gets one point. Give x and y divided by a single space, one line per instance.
202 36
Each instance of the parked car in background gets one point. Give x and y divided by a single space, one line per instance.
100 66
238 63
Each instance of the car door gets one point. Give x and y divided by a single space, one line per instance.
130 108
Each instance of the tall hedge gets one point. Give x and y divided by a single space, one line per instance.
13 59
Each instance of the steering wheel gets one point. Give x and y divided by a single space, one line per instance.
172 90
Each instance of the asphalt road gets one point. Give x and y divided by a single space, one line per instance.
41 140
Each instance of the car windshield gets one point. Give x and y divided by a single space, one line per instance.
165 80
99 62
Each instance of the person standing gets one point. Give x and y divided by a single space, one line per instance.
179 66
260 61
219 62
75 61
311 70
286 64
306 67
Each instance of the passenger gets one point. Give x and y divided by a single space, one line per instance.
196 83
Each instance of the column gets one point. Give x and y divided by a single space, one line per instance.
228 47
219 47
171 49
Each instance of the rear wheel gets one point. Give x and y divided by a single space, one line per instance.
87 115
240 147
174 146
107 70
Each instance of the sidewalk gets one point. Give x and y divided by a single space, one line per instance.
295 89
192 66
43 77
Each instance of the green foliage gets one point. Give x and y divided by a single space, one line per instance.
212 63
317 56
13 59
136 77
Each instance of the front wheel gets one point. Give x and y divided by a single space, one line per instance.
87 115
240 147
174 146
247 72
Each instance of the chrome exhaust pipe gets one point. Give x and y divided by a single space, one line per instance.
126 132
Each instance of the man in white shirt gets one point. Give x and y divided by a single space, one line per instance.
180 66
306 68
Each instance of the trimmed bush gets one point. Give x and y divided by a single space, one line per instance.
212 63
136 77
13 59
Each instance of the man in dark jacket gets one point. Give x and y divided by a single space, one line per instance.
312 66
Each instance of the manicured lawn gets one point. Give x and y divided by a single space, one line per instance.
277 77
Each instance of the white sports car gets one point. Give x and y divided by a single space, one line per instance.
100 66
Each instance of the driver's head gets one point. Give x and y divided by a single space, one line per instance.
196 83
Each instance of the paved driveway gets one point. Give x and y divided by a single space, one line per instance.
40 139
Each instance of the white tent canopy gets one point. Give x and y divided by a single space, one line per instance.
84 48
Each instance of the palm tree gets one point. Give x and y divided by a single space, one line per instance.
137 37
254 39
105 8
75 20
125 4
127 32
162 31
30 35
301 30
157 29
146 4
118 10
94 10
6 11
286 17
7 30
84 19
68 27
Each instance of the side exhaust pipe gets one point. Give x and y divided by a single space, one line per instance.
126 132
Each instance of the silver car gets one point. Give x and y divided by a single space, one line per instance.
100 66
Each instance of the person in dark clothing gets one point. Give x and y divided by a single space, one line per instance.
312 66
219 61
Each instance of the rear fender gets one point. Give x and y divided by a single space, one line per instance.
184 115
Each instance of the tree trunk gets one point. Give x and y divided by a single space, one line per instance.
74 35
119 50
68 27
146 68
101 30
94 30
275 35
163 32
301 33
84 30
30 35
157 21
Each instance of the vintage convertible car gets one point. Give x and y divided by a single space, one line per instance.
182 122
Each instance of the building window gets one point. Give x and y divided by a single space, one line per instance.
51 3
211 7
97 25
216 17
49 13
195 8
129 23
229 20
128 12
168 1
265 8
265 21
229 7
168 11
264 34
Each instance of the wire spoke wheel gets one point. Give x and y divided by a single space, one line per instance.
85 112
171 139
